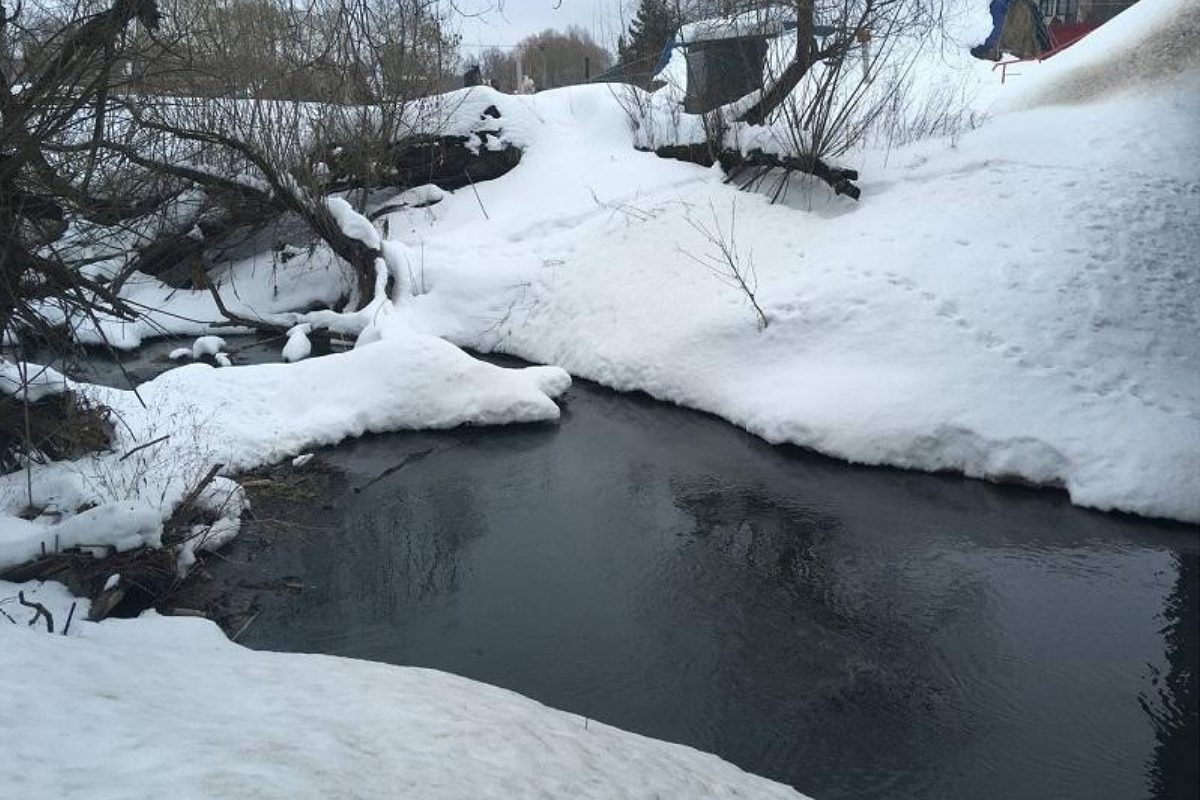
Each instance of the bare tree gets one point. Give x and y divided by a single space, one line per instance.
58 92
551 58
824 74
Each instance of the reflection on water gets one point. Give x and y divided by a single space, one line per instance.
1174 701
856 633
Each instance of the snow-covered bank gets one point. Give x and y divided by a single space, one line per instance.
167 707
1022 303
243 417
1019 303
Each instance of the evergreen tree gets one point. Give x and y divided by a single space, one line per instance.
654 25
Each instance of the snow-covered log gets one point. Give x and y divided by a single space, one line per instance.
736 163
449 160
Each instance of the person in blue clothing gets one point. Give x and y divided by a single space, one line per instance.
990 49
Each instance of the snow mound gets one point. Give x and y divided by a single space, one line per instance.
421 196
175 710
266 412
33 383
353 224
119 525
268 285
298 346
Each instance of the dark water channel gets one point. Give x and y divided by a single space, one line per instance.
853 632
856 633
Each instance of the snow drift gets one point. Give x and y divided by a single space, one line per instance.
167 707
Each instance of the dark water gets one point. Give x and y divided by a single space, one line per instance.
126 369
857 633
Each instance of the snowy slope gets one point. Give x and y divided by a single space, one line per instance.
167 707
1019 304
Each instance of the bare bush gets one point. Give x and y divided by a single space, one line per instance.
857 77
726 260
782 88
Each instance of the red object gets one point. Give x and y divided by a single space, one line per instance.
1065 34
1062 36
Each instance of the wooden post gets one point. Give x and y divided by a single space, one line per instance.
804 32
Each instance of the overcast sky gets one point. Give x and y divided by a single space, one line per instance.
519 18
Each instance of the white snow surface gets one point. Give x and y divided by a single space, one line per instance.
265 286
298 346
167 707
1151 44
1020 303
31 383
264 412
420 196
353 224
207 346
765 21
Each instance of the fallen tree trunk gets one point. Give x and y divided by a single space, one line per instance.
735 163
449 162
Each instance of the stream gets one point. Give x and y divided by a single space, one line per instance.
854 632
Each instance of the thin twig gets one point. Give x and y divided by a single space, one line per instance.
41 611
478 199
70 616
144 446
245 625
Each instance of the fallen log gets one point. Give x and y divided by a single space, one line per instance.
451 162
448 161
736 163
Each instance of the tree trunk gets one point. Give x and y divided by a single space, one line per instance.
778 91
